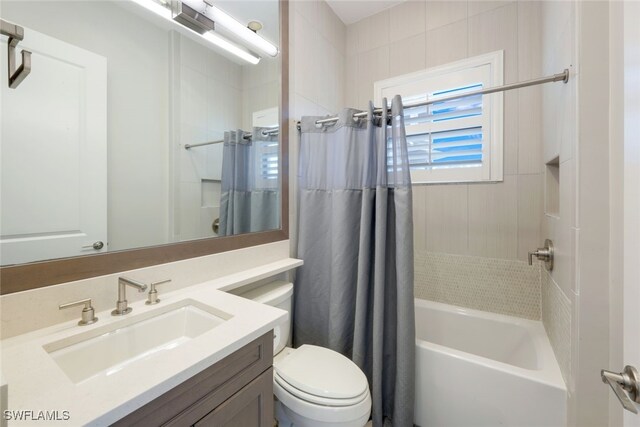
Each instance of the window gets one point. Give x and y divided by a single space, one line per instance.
269 150
459 140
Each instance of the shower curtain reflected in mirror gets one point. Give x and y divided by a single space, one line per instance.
250 198
354 293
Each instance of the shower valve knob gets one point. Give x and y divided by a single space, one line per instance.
544 254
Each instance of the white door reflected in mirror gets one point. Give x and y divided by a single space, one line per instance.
54 146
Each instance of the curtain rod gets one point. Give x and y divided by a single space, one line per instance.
268 132
564 77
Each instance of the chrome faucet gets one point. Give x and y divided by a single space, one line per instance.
88 313
122 307
153 293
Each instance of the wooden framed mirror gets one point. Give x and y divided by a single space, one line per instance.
15 277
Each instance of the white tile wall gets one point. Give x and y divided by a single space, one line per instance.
419 218
529 131
558 134
448 43
406 20
260 88
493 30
407 55
510 133
480 6
373 65
441 13
446 222
496 285
530 213
529 99
493 220
373 32
210 102
556 317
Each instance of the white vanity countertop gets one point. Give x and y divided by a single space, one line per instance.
36 382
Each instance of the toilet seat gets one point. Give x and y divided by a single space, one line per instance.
318 400
322 376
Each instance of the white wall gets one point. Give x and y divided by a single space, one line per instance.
260 88
137 97
500 220
616 189
624 161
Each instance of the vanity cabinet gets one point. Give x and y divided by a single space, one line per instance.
237 391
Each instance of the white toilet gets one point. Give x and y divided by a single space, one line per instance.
314 386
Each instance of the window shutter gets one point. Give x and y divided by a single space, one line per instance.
269 160
445 134
458 139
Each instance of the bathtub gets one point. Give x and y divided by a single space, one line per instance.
482 369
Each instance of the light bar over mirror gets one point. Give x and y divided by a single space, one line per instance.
191 18
239 30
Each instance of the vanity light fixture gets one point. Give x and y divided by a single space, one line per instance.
230 23
191 18
230 47
211 37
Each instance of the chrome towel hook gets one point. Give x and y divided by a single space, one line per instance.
15 34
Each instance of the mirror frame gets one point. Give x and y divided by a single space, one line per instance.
22 277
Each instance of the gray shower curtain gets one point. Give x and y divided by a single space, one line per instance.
354 293
250 199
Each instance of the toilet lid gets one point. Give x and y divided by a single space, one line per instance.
321 372
281 385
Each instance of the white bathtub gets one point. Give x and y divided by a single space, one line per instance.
482 369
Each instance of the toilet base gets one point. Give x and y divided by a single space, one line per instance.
281 415
287 418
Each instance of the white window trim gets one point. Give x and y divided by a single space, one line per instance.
492 171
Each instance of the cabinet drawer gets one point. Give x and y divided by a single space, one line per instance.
196 397
250 407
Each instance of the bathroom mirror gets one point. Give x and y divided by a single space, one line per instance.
147 131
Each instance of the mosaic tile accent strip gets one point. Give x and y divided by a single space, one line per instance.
501 286
556 317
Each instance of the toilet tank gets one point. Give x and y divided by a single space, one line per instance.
277 294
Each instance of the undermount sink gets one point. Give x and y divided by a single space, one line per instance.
108 349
